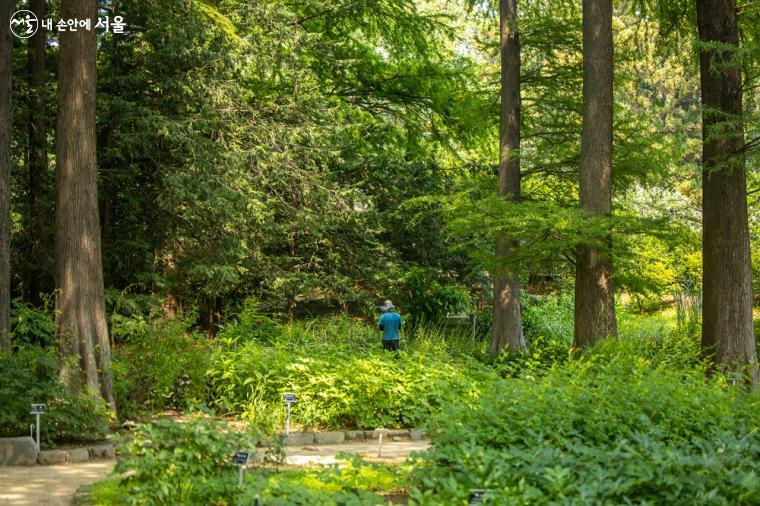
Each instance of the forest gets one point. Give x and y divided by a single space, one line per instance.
515 241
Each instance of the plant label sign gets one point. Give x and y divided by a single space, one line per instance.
241 458
477 496
289 398
37 408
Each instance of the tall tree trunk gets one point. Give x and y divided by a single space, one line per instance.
507 322
37 153
594 291
727 332
80 318
6 66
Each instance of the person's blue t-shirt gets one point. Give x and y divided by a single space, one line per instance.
390 323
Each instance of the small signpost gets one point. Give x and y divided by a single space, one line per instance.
37 410
240 459
380 432
477 496
288 399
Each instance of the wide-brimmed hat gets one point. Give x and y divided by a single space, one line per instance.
387 305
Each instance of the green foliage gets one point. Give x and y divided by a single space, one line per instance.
30 375
627 421
31 326
549 317
214 481
160 364
548 329
350 482
170 462
342 378
263 151
252 324
427 299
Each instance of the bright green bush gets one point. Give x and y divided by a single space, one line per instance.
620 424
655 337
191 463
159 365
427 298
548 329
352 482
168 462
31 326
30 375
342 378
252 324
548 317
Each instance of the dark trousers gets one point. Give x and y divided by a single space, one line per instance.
391 345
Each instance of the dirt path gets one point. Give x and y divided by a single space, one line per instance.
56 485
396 451
48 485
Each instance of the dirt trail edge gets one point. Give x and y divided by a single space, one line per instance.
56 485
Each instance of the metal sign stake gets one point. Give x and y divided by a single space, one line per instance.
287 420
240 459
380 432
37 410
288 399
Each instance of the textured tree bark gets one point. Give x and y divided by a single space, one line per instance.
37 154
6 66
594 290
80 317
507 332
727 331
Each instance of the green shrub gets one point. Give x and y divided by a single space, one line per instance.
342 378
159 365
252 324
190 463
427 298
548 329
30 375
620 424
542 353
548 317
169 462
31 326
352 482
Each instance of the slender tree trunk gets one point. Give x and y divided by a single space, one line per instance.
727 332
212 315
37 153
507 322
80 318
594 290
6 66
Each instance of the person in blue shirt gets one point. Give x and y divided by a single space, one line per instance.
390 323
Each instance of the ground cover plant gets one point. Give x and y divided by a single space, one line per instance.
342 377
171 462
630 421
158 364
30 375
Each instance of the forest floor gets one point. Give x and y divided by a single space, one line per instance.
56 485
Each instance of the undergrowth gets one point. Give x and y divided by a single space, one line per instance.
630 421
